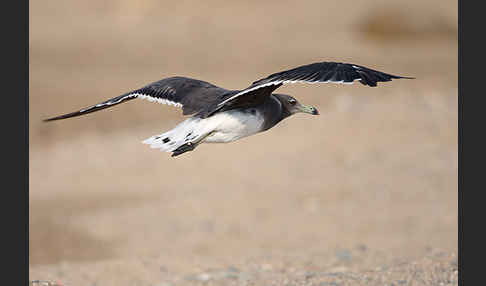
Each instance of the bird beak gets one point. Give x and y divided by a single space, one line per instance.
308 109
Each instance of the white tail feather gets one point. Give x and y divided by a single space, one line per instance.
183 133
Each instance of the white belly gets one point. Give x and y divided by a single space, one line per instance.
223 127
232 125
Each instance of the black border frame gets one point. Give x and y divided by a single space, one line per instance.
15 177
470 159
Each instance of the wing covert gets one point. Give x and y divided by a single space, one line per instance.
191 94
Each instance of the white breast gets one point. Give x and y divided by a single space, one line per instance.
232 125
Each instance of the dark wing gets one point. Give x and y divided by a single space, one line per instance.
191 94
317 72
252 98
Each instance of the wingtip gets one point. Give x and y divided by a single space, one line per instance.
48 120
54 118
406 77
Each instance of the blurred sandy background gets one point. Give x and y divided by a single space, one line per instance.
365 193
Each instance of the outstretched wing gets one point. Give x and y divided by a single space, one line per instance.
317 72
191 94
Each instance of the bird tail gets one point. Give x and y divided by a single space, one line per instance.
185 132
105 104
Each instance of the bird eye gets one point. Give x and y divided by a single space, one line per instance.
292 101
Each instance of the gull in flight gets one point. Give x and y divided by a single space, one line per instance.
220 115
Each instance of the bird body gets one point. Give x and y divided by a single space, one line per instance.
222 127
234 124
221 116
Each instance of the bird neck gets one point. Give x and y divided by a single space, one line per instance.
274 112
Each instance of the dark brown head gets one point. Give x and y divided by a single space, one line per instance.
292 106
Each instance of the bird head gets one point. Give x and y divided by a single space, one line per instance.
293 106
